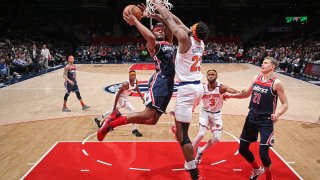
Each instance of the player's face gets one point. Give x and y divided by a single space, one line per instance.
132 76
71 59
266 66
159 34
212 76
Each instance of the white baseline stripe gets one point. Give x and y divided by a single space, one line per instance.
181 169
104 163
39 161
218 162
85 152
140 169
85 170
237 169
86 139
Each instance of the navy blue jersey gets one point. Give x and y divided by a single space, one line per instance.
263 99
165 59
72 73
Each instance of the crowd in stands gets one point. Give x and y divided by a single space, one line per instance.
215 52
292 55
62 34
19 58
112 54
25 57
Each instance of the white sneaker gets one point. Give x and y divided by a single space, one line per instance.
255 173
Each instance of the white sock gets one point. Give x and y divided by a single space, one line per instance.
190 165
134 127
199 137
106 114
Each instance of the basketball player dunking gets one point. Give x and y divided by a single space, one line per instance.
160 84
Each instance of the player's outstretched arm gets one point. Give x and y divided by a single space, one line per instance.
177 31
138 90
179 22
145 32
123 87
226 88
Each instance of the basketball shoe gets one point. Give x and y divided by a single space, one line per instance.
104 129
255 173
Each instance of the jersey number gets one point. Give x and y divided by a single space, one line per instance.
256 98
194 66
212 102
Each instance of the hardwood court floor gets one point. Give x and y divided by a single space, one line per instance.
31 120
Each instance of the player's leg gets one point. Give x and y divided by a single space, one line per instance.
149 116
65 98
156 101
128 106
188 97
216 129
120 104
75 88
250 134
203 126
267 140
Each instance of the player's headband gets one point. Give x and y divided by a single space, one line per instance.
157 27
211 70
194 27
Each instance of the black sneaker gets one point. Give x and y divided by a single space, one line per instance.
97 121
136 133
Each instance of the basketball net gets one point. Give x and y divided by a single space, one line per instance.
150 10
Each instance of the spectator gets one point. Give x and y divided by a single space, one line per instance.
45 56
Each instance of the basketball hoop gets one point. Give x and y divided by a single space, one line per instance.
150 10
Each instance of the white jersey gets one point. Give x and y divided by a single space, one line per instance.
188 65
129 91
212 100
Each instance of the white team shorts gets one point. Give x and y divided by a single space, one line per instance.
124 103
188 98
212 121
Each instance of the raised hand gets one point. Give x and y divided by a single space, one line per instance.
130 19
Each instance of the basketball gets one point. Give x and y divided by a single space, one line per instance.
134 10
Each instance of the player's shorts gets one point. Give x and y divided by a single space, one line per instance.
160 92
255 124
188 97
124 103
210 120
69 88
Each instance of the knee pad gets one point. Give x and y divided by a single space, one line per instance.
264 155
65 98
185 137
78 95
